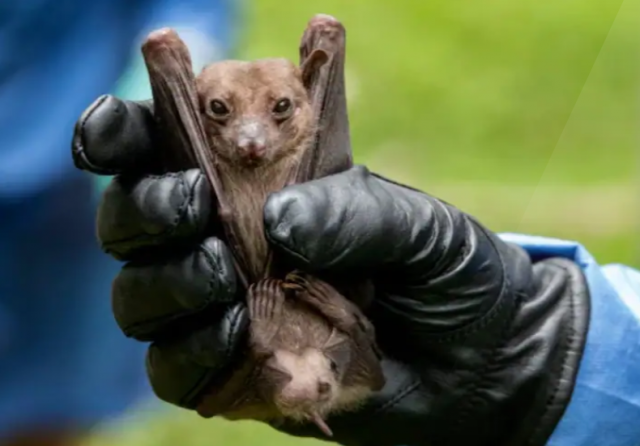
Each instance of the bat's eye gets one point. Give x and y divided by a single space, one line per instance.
218 108
334 366
282 106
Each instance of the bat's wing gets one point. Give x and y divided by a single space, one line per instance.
239 398
322 59
346 317
265 302
176 108
236 399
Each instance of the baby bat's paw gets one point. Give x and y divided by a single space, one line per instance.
297 280
311 289
265 299
324 298
343 314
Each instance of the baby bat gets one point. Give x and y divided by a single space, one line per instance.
254 128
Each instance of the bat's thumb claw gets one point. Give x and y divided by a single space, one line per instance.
159 37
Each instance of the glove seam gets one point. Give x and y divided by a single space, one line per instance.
195 393
186 206
144 238
479 323
491 353
398 397
286 250
80 158
216 272
569 343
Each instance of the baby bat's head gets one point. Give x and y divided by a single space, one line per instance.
255 113
308 385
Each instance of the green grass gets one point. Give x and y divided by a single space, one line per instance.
522 113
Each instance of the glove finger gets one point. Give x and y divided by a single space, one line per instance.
137 215
182 369
114 136
152 299
351 220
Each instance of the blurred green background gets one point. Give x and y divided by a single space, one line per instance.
522 113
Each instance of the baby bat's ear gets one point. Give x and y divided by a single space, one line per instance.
275 375
311 66
339 353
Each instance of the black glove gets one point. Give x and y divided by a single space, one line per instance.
481 345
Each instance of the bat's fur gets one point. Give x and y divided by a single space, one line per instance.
251 90
312 352
293 341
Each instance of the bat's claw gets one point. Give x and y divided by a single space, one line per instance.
312 290
323 32
265 299
297 278
324 21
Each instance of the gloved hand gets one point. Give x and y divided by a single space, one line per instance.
481 346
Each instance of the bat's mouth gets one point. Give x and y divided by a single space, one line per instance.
253 158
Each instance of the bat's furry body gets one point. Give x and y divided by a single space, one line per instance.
255 127
272 144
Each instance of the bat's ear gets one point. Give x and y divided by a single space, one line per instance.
278 376
340 355
311 66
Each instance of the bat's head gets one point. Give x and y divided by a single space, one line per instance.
309 385
303 386
255 113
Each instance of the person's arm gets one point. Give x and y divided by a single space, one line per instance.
481 345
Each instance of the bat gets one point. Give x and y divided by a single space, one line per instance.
254 128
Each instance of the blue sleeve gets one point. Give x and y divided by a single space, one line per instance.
57 57
605 404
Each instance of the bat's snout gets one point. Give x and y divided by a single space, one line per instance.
252 150
252 140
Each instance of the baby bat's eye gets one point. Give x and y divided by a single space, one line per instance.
282 106
218 108
334 366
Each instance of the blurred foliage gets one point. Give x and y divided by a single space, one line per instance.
522 113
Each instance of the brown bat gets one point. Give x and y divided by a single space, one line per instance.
254 128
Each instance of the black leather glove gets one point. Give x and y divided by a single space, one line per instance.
481 344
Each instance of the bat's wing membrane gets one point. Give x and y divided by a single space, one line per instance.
178 115
322 59
322 55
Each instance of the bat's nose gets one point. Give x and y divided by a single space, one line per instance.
252 149
252 141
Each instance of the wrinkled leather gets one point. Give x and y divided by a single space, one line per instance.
481 344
